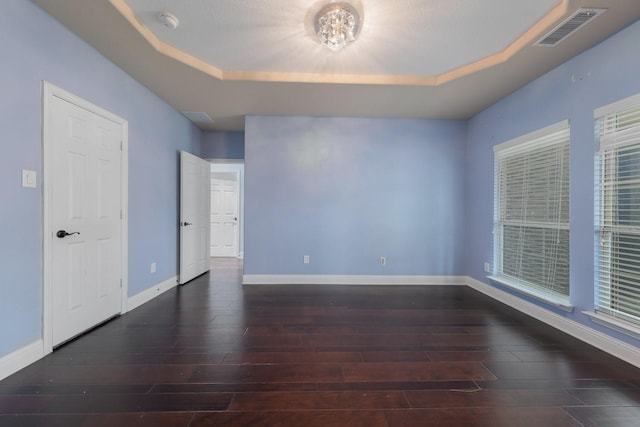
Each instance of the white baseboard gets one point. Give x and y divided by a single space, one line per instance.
21 358
145 296
310 279
604 342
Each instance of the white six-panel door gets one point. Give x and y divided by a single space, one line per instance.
194 216
86 224
225 203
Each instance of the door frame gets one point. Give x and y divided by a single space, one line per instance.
49 92
227 165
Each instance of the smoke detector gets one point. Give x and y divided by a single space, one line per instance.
169 20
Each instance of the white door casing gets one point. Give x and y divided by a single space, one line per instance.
225 206
85 182
194 216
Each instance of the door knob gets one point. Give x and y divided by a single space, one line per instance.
62 234
186 223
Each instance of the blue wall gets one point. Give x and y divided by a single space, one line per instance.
35 47
347 191
599 76
223 145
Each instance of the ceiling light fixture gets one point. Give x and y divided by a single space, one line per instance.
337 25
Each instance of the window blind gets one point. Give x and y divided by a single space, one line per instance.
617 257
532 213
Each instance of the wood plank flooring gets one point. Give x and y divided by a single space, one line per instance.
211 353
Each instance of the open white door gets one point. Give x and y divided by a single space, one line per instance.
194 216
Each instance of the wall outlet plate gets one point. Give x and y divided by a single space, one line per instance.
306 259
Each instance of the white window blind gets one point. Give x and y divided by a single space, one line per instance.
617 257
532 213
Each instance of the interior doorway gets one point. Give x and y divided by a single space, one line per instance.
227 210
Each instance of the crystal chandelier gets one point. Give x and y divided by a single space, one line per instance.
337 25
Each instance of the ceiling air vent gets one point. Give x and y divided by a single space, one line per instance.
198 117
567 27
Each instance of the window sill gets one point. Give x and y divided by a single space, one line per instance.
611 322
556 302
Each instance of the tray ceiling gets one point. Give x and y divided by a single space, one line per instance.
413 58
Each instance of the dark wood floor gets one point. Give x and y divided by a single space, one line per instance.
211 353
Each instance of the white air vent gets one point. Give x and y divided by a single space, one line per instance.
198 117
567 27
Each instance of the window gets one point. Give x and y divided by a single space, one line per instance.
617 257
532 213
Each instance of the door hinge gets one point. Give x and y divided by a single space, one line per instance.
121 145
120 283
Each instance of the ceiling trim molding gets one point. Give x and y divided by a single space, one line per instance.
525 40
164 48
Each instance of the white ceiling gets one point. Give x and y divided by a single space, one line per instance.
413 58
271 35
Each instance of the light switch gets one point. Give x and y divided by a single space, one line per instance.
29 178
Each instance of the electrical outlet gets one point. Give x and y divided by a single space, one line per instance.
153 267
383 261
306 259
487 267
